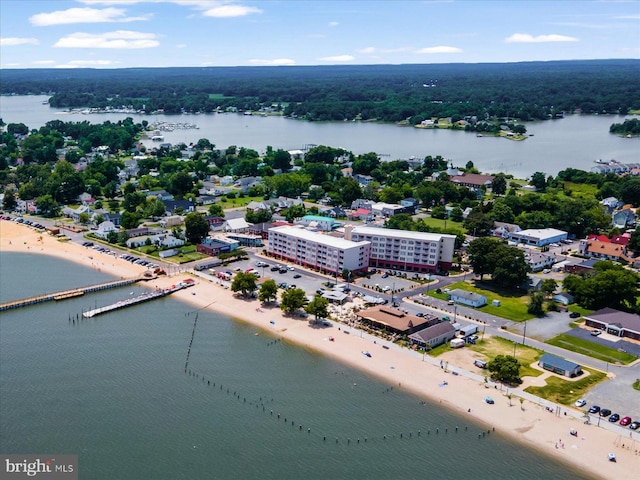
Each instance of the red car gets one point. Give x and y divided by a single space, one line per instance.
625 421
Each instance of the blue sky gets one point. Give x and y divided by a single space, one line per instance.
165 33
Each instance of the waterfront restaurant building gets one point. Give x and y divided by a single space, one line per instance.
419 252
318 251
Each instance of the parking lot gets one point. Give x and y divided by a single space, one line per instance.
387 282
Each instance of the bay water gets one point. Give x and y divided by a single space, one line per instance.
115 390
575 141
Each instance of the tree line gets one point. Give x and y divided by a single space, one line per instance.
390 93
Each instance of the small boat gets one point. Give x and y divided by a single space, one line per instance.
489 400
366 354
612 457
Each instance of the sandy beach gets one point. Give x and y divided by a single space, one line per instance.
530 423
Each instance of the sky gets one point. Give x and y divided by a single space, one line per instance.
174 33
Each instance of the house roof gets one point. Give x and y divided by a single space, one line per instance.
605 248
468 295
472 179
558 362
628 321
236 223
392 318
434 331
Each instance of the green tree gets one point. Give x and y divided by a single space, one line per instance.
317 307
456 215
536 304
47 206
112 237
244 282
549 285
505 369
292 300
84 218
129 220
499 185
539 181
478 222
482 255
268 291
282 160
196 227
9 201
216 210
510 270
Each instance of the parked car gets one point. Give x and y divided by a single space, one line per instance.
595 333
634 425
625 421
385 275
275 268
614 418
594 409
580 403
605 412
297 275
574 315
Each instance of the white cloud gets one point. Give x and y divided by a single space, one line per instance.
338 58
124 39
367 50
181 45
439 49
227 11
13 41
526 38
333 24
43 62
373 50
87 63
274 62
82 15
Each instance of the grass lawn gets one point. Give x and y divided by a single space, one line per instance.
564 391
489 348
226 203
513 306
591 349
438 223
584 189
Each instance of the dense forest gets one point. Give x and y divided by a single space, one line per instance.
390 93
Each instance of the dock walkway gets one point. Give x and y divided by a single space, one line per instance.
74 292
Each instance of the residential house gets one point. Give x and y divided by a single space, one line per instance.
623 218
565 298
474 181
161 240
159 194
172 206
610 204
539 261
503 229
467 298
104 229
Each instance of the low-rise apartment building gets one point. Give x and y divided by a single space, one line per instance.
318 251
419 252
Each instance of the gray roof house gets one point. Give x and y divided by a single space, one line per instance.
467 298
615 322
434 335
564 298
559 365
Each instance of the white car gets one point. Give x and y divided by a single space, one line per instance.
581 403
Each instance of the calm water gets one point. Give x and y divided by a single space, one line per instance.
113 390
575 141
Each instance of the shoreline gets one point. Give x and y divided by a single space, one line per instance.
531 425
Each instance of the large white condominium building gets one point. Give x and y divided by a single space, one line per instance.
318 251
404 250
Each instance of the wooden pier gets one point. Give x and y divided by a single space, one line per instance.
145 297
75 292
